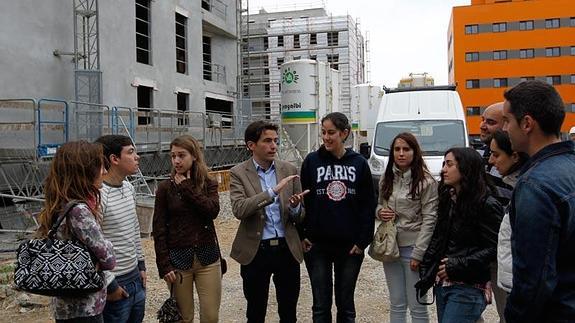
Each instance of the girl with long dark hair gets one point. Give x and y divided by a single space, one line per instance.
508 163
464 241
187 252
339 221
407 196
76 175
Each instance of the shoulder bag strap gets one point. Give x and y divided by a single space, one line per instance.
69 206
217 242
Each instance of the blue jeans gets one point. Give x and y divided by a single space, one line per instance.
321 261
131 309
400 282
459 304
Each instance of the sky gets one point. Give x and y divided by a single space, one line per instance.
405 36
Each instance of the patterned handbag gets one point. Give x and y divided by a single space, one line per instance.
55 267
169 311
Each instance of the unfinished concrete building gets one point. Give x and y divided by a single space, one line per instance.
272 38
153 70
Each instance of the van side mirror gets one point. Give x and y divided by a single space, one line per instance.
365 150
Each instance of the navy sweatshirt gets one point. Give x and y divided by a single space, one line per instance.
341 203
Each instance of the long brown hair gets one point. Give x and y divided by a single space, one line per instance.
418 167
73 171
199 171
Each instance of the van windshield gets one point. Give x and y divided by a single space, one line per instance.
434 136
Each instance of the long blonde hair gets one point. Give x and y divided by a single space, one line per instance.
73 171
199 171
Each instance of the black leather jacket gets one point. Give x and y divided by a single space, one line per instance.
468 242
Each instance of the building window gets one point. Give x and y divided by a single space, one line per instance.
554 79
552 23
280 41
181 51
246 90
266 71
314 57
313 39
296 41
501 82
333 38
527 53
280 61
471 29
499 27
526 25
183 106
472 84
207 55
333 60
206 5
266 43
527 78
145 95
473 111
472 57
552 51
499 55
143 48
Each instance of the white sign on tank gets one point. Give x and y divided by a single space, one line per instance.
298 92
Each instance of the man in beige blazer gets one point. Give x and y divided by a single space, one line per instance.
266 196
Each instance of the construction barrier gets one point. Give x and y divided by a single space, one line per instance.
223 178
145 212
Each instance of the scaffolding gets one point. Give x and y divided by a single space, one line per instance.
270 39
87 74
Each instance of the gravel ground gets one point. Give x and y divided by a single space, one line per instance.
372 304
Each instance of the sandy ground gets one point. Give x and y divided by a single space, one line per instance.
372 304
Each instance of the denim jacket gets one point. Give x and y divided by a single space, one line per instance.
542 216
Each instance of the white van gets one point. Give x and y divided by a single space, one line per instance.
433 114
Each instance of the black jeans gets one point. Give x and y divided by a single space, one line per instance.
279 262
88 319
323 260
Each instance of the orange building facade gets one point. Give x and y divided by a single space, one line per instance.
495 44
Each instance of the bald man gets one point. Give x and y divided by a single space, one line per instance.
491 121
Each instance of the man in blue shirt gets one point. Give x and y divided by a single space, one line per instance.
542 212
266 197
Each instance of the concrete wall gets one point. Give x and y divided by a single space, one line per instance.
32 29
29 33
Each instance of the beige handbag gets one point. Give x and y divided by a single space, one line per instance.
384 245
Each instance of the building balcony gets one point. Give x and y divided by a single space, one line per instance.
218 18
214 72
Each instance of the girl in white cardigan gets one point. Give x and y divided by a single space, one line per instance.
408 196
